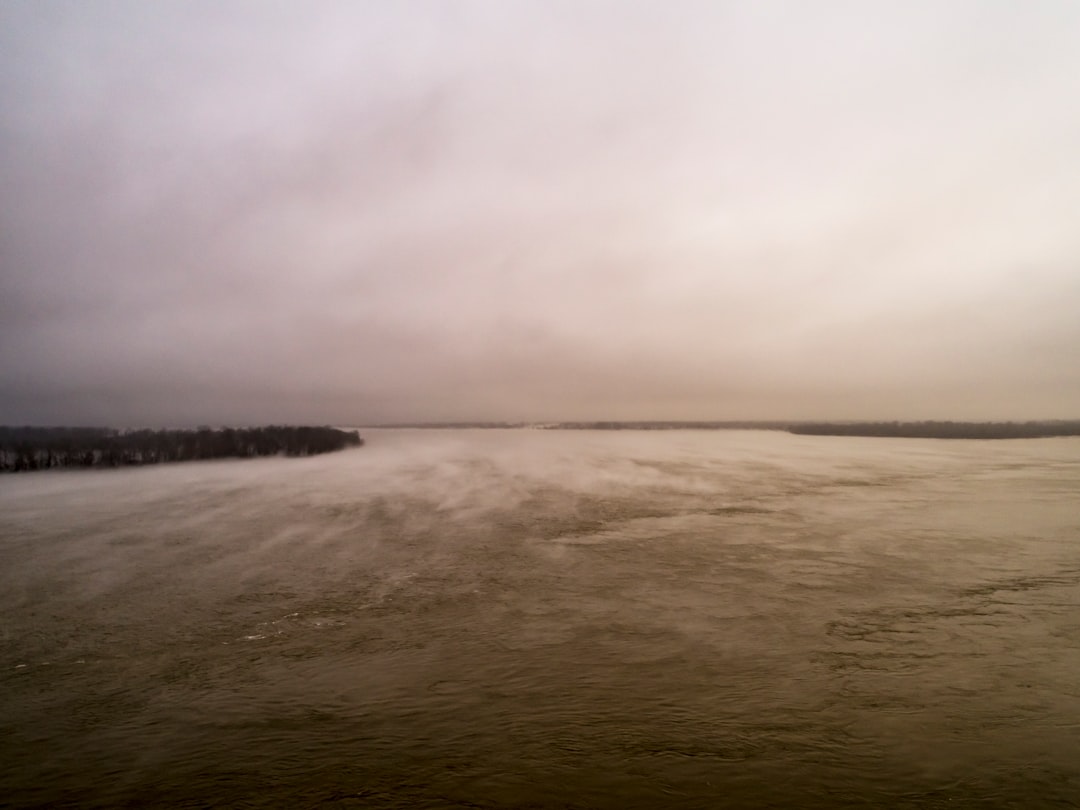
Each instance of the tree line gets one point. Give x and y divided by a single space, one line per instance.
942 430
44 448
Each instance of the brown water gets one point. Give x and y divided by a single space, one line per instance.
549 619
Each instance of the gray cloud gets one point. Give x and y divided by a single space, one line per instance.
363 212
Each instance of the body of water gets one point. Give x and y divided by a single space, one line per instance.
549 619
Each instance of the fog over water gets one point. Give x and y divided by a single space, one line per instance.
549 618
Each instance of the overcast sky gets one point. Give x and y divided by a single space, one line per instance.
363 212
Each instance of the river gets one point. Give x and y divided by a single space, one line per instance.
529 618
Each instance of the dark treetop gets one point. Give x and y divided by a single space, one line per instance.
37 448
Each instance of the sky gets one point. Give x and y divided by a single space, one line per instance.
371 212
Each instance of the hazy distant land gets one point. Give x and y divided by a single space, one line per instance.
942 430
909 430
43 448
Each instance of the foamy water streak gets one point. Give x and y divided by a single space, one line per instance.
527 618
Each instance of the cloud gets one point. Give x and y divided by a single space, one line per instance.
359 212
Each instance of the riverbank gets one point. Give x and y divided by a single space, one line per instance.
23 449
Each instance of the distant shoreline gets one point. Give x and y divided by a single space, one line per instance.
941 430
24 449
1035 429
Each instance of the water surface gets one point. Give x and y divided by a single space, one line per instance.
549 619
